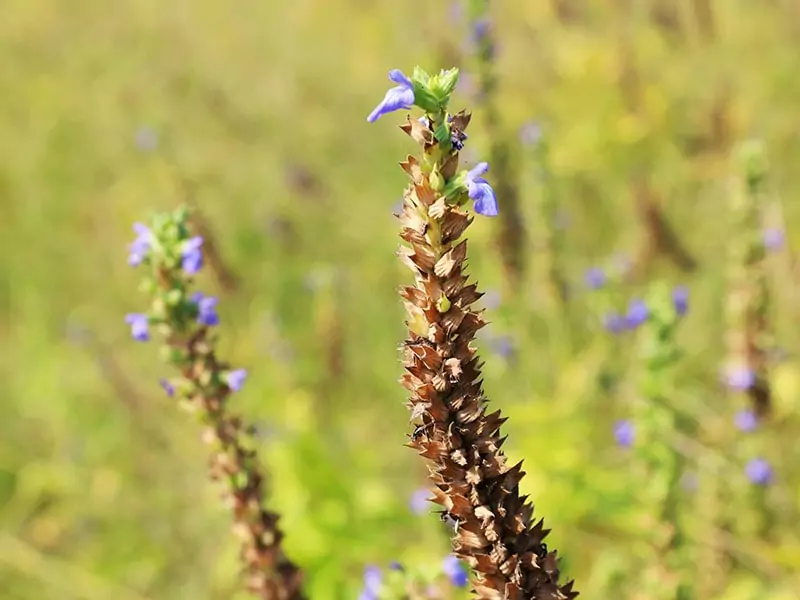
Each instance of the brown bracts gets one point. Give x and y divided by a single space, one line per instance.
471 480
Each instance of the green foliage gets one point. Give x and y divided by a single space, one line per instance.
103 487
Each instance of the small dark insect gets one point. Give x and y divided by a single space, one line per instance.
451 522
541 550
420 340
421 430
457 138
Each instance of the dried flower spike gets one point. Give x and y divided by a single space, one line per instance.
171 256
471 480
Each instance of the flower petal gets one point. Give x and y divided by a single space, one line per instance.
484 198
397 76
397 98
477 170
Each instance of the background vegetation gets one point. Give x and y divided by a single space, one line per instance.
255 112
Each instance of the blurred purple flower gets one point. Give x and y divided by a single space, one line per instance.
192 255
418 503
395 566
680 299
480 39
373 579
139 326
455 571
613 322
481 192
206 309
638 312
739 378
235 379
773 239
746 420
595 278
624 433
758 471
141 245
480 29
168 387
397 98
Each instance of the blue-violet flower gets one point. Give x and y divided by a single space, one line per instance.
397 98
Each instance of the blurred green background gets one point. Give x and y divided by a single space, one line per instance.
254 112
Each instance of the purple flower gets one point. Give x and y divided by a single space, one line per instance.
192 255
637 313
168 387
739 378
773 239
530 133
139 326
481 192
480 29
680 299
613 322
397 98
141 245
624 433
395 566
235 379
758 471
746 420
419 502
373 579
455 571
206 309
595 278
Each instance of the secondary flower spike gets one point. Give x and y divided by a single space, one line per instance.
203 383
469 475
397 98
